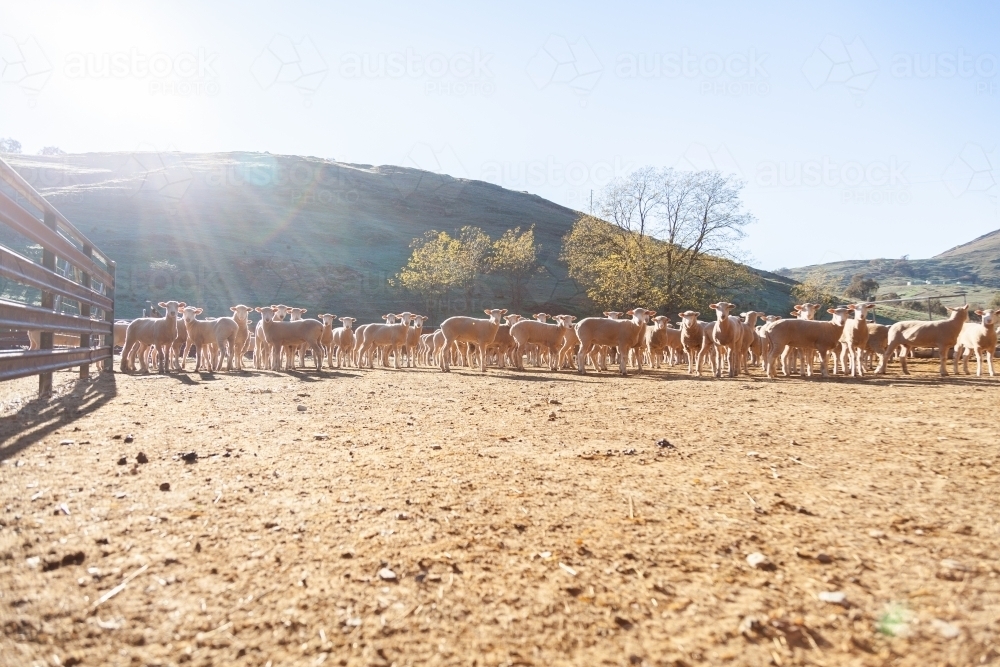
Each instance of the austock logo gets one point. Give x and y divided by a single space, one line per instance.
875 182
973 170
736 74
185 74
25 65
571 64
457 74
162 174
287 62
835 63
306 182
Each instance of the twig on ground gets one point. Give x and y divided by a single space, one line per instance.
120 587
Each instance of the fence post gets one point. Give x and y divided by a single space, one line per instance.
85 312
48 302
109 316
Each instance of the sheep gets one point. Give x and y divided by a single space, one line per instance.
503 344
462 329
285 334
262 348
58 339
120 327
808 335
673 341
942 334
389 337
878 338
240 316
623 334
293 353
802 311
327 338
727 335
692 340
854 338
437 346
547 337
204 334
361 334
343 340
656 339
762 330
979 339
426 351
157 332
570 342
413 334
751 341
176 360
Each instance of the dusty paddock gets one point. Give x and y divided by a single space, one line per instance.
528 519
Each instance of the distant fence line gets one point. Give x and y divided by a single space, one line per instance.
921 297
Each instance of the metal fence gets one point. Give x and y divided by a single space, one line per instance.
929 298
72 274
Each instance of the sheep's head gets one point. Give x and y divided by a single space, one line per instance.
839 313
722 309
171 308
640 315
190 312
495 314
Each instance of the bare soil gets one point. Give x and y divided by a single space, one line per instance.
518 518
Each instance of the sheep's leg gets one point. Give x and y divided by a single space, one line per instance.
943 354
143 362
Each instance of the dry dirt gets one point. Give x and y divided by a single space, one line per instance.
521 519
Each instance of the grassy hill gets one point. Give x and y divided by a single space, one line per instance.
972 264
971 269
220 229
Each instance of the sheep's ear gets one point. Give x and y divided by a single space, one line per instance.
198 311
713 306
979 312
697 314
830 310
487 311
652 313
162 305
232 308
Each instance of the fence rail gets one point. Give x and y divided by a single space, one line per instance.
920 297
90 283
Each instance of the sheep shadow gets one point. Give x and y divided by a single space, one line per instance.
43 415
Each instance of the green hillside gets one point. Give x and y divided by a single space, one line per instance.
220 229
973 265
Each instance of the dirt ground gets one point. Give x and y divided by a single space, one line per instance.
519 518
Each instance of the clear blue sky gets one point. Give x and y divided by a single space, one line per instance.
862 129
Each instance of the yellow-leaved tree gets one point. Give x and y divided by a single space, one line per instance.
514 258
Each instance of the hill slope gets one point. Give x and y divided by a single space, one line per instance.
974 263
227 228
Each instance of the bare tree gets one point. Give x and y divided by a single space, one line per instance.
671 236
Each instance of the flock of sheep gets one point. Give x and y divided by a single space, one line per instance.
730 344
